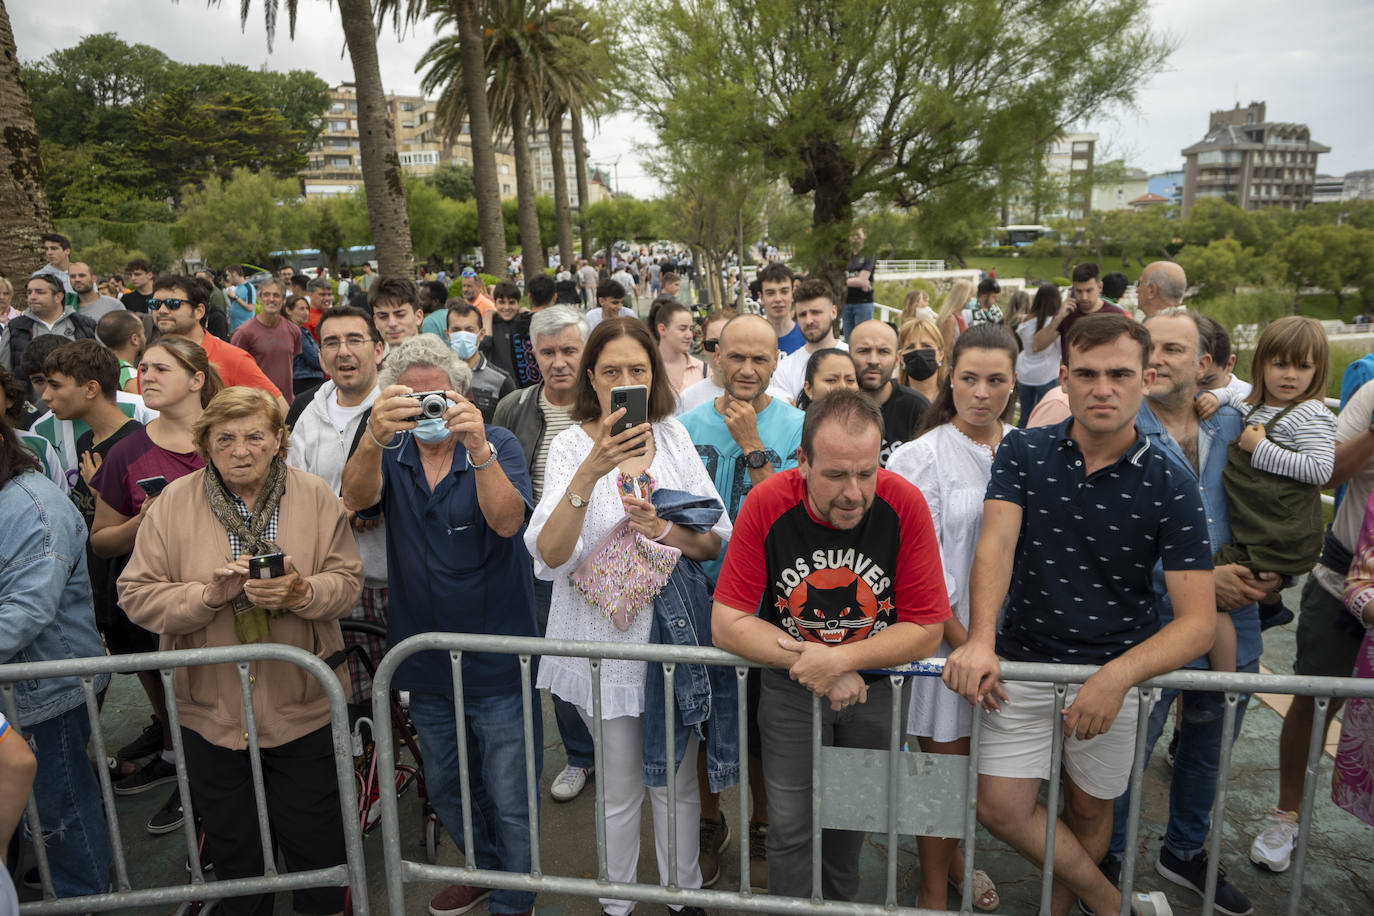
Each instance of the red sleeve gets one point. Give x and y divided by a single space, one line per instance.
920 586
238 368
744 574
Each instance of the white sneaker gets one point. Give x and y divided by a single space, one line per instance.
1151 904
1273 848
569 783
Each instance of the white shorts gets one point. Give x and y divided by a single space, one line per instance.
1016 742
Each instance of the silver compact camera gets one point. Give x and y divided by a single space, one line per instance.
432 404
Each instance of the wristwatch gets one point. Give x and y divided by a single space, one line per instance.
756 459
577 501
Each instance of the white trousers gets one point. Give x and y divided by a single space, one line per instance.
622 762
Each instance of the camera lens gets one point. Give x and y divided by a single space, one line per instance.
433 406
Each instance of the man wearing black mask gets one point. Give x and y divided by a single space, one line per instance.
873 345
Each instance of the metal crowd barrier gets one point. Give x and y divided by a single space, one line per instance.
352 873
892 792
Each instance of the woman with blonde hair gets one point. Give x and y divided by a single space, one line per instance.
922 351
916 305
7 309
949 321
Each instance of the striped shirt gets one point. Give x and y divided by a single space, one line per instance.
1301 446
556 420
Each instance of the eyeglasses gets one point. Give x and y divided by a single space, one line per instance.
170 304
709 344
352 341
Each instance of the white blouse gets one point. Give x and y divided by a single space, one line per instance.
676 466
952 472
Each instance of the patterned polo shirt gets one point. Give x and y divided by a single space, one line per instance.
1081 589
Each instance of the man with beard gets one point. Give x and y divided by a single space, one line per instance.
89 301
873 344
815 310
743 437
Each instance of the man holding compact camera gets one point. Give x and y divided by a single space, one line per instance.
455 493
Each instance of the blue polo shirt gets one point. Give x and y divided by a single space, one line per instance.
1081 589
448 572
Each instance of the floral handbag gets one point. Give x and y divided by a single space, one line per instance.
624 573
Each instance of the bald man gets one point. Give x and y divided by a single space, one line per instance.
89 301
743 437
1161 286
873 344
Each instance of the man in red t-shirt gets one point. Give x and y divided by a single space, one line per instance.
187 318
833 569
270 339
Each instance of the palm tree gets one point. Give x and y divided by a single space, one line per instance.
575 72
23 201
381 166
515 36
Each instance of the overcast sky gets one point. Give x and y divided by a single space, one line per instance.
1310 61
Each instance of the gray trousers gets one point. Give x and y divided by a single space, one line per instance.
785 723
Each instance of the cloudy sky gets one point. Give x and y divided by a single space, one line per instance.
1309 61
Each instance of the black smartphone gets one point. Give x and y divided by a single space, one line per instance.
267 566
635 400
152 485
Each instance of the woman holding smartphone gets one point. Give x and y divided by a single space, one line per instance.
593 478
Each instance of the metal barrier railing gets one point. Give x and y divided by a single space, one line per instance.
351 874
885 808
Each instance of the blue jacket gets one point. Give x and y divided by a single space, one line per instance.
1213 435
704 693
45 593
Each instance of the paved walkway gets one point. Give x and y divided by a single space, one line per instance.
1339 880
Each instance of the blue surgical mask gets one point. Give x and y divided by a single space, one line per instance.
431 430
464 343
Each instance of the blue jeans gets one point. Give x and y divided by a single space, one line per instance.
69 807
854 313
1030 396
577 741
496 767
1193 787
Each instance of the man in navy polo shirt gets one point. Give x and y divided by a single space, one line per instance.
1180 355
1075 519
455 493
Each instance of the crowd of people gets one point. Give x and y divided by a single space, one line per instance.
206 462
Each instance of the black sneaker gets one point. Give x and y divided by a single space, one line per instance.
154 773
169 817
1274 615
1192 874
145 745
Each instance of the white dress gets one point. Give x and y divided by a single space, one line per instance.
952 472
676 466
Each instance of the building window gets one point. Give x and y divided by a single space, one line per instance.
338 127
339 162
420 158
505 189
505 169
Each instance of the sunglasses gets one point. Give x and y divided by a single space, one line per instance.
709 344
170 304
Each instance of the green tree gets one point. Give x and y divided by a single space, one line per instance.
243 218
617 218
1220 266
452 180
851 98
1329 257
99 179
187 140
88 92
381 165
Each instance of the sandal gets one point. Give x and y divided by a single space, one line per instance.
985 896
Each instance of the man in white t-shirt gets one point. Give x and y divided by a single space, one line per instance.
324 433
814 308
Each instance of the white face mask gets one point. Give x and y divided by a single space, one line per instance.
431 429
464 343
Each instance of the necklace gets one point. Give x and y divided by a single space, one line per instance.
982 445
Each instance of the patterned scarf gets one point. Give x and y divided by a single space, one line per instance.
250 621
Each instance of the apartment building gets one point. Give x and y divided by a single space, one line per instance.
1252 162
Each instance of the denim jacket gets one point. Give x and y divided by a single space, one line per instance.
45 594
1213 435
704 693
